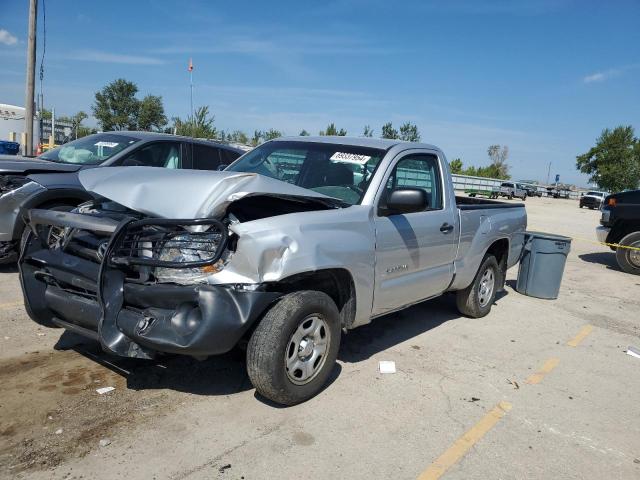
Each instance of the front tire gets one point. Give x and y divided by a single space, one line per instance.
476 300
628 259
294 348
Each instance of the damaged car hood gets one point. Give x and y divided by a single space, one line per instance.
187 194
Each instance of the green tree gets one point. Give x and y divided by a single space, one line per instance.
238 136
199 126
614 162
271 134
409 133
333 131
303 133
151 115
257 139
456 165
499 156
389 132
116 106
368 131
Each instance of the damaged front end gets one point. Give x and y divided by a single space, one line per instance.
136 284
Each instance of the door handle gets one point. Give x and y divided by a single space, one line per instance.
446 228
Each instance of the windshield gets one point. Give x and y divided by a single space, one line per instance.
338 171
90 150
506 184
596 194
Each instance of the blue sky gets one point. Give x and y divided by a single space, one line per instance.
543 77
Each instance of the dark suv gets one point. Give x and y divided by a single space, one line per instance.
51 180
620 224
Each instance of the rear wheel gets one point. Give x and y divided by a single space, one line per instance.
475 301
294 348
629 258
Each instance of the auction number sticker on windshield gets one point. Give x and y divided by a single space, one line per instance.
350 158
106 144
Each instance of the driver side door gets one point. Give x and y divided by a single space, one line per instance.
414 251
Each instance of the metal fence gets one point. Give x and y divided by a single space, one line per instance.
465 182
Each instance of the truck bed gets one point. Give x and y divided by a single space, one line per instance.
474 203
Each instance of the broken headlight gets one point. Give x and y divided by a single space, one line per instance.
188 249
181 251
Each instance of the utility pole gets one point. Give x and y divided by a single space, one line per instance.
548 172
31 75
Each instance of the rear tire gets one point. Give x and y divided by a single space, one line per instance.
293 350
476 300
629 260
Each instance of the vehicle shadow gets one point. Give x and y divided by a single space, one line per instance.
9 268
226 374
219 375
607 259
393 329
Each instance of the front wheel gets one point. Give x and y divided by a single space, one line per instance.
294 348
629 258
475 301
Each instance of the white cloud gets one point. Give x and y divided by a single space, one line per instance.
600 76
6 37
106 57
607 74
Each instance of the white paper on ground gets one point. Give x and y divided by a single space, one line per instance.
386 366
634 352
104 390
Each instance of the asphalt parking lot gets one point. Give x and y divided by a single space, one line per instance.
538 389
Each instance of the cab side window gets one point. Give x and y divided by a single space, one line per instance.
162 154
416 171
205 158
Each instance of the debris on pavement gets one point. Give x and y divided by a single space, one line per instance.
514 383
387 366
634 352
104 390
224 467
59 431
105 442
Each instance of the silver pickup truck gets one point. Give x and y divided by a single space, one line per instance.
293 244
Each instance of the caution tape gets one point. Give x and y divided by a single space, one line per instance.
615 245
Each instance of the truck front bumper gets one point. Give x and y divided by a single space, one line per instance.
135 319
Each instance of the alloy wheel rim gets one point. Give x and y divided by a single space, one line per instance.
306 350
485 289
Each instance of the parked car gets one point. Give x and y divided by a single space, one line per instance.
592 200
620 224
294 242
512 189
51 180
532 190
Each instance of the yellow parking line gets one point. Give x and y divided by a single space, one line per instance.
582 334
11 305
546 368
463 444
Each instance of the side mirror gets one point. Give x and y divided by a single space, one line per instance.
407 200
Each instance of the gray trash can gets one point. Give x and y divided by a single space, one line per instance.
542 264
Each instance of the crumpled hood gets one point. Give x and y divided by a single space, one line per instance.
186 194
25 165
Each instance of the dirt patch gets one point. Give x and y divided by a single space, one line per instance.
50 409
